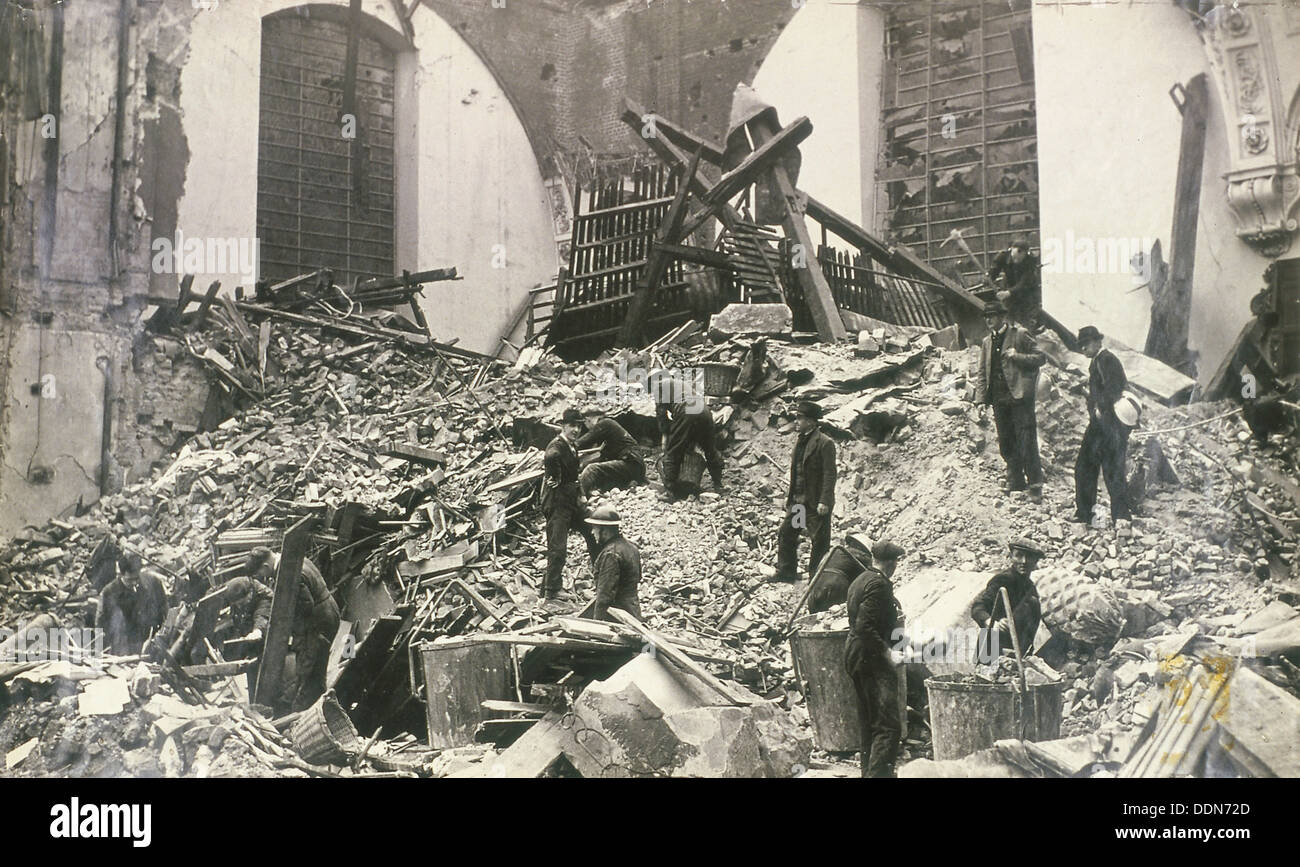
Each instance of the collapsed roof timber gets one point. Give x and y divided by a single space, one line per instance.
317 524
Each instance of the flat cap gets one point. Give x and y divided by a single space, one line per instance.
571 416
808 409
1027 546
1089 332
885 550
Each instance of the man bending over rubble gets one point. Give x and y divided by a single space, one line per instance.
988 611
563 504
131 607
617 568
870 662
811 499
314 628
619 464
684 423
1008 380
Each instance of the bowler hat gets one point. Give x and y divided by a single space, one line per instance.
571 416
1087 333
1027 546
604 516
993 306
809 409
887 551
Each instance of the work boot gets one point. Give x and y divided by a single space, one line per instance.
1035 493
1077 518
717 485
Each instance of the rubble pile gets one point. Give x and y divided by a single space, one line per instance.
419 466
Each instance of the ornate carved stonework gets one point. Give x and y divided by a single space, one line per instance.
1263 188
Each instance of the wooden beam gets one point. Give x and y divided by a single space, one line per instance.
760 160
276 646
663 646
816 291
633 328
635 115
1171 309
698 255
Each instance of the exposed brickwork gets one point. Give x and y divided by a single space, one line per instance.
568 66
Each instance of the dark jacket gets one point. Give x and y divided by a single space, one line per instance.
616 444
1025 607
1022 279
128 616
560 481
1021 372
838 572
325 611
817 471
250 603
618 572
1106 382
873 616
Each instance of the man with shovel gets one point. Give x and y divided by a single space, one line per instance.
989 611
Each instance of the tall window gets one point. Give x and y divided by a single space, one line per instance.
960 146
316 206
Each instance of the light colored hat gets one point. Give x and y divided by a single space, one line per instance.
1128 409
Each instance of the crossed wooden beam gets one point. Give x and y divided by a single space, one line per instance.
683 151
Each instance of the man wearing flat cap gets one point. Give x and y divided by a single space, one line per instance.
988 611
1105 441
1007 381
617 567
811 498
562 502
870 661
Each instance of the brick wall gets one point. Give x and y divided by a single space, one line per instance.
567 66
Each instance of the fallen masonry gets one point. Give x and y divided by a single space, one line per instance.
407 475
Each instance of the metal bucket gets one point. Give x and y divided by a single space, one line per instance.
968 717
459 676
832 701
832 704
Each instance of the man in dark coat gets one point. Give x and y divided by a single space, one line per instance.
619 464
315 625
1105 441
684 421
617 567
562 502
988 611
870 660
1007 381
132 606
844 563
1015 272
811 499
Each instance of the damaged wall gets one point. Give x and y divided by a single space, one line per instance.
1138 51
827 65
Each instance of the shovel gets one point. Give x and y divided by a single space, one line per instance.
1020 665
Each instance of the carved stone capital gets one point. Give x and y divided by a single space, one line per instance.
1264 204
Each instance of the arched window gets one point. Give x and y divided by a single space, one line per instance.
317 207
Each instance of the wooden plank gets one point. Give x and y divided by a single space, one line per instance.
670 652
276 646
498 706
220 669
414 454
